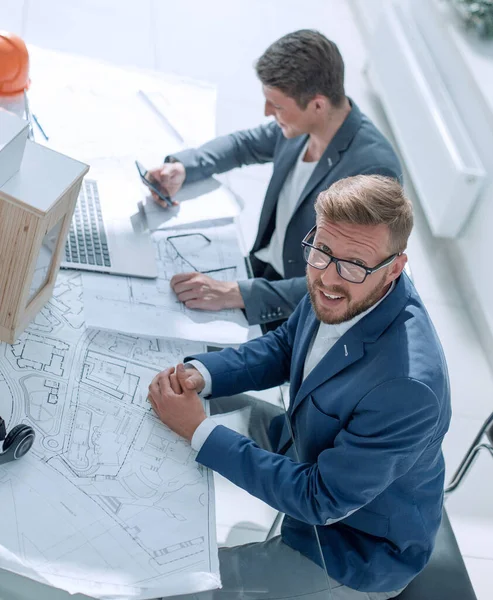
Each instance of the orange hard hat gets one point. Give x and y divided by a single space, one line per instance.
14 64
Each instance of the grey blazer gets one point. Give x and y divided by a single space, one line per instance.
357 148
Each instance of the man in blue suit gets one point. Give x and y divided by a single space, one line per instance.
369 404
318 136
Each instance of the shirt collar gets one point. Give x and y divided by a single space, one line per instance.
341 328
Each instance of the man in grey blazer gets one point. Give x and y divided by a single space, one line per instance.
318 136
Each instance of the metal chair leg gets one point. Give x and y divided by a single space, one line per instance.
471 455
274 526
465 465
484 430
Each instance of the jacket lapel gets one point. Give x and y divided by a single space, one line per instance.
284 164
333 153
346 351
350 347
301 350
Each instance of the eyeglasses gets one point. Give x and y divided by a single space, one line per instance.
178 254
347 269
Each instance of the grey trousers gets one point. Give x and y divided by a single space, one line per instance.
271 570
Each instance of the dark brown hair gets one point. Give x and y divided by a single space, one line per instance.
369 200
303 64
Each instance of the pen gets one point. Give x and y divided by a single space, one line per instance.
28 117
35 119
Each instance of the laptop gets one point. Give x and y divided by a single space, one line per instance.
103 237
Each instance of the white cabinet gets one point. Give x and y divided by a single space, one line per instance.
435 80
442 159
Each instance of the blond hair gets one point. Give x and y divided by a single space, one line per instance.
369 200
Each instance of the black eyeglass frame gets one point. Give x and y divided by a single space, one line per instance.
333 259
180 255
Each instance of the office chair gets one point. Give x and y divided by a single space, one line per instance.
445 577
472 453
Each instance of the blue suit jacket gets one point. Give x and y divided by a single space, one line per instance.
368 423
357 148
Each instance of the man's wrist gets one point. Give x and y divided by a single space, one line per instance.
234 299
189 434
202 432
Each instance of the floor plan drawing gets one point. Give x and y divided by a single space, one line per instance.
127 512
146 306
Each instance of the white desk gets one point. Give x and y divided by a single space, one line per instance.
85 391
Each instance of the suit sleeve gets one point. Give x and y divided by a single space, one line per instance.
248 147
260 364
389 430
267 301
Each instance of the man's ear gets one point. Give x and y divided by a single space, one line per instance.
396 268
319 103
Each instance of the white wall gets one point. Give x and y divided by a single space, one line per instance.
367 13
466 66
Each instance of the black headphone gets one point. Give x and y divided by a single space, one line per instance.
17 442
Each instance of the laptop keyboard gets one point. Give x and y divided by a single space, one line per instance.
87 243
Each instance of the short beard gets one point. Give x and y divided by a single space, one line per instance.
353 310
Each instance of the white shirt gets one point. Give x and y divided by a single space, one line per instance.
288 200
322 341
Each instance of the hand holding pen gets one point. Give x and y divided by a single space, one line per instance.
159 194
169 177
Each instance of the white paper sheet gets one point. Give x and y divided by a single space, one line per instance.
99 114
200 204
91 110
109 502
149 307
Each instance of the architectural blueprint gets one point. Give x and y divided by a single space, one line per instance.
109 502
149 307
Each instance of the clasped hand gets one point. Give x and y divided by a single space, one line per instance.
173 394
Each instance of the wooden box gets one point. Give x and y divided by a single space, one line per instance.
36 208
